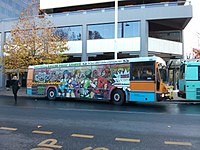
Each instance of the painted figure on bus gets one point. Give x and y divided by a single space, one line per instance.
86 85
107 81
102 83
94 83
63 87
70 89
76 80
41 77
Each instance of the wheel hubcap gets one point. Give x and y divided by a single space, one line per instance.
116 97
51 94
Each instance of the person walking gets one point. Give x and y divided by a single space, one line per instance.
15 87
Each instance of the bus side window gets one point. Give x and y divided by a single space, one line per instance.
147 74
143 71
136 74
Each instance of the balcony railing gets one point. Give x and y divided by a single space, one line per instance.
121 8
111 9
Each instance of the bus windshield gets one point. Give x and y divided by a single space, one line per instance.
182 72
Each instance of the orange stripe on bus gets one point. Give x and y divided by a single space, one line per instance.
143 86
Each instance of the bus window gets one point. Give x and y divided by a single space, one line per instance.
143 71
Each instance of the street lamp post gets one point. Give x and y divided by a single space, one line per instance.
116 27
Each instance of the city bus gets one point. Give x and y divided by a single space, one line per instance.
142 79
189 80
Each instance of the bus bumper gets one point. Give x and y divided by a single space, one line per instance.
165 96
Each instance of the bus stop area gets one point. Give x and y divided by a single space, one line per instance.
8 92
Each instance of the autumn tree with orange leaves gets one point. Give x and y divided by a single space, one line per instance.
33 41
196 53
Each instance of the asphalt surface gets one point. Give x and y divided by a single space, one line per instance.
35 123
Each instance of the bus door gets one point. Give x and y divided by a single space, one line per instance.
182 82
163 90
142 81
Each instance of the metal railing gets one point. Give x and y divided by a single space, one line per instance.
112 9
121 8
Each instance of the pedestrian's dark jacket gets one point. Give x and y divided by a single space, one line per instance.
15 86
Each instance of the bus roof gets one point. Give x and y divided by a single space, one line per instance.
191 62
88 63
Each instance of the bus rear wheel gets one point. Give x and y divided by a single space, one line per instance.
118 97
51 94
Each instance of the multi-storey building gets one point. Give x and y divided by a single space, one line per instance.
9 11
144 27
12 8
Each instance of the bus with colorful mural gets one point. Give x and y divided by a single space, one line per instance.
140 79
189 80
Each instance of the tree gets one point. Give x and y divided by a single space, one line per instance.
33 41
196 53
95 35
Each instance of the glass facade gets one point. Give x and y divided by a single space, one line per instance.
167 35
12 8
7 36
0 42
107 31
72 33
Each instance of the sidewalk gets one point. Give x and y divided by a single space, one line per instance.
21 92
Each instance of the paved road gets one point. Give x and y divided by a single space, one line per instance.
77 125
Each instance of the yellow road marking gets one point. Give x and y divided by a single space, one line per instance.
6 128
98 148
83 136
127 140
50 143
41 132
178 143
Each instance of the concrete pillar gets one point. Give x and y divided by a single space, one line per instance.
144 34
183 43
84 56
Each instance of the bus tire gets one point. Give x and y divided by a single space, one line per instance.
118 97
51 94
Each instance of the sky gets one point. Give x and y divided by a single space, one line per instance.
192 30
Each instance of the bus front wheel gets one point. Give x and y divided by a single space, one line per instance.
51 94
118 97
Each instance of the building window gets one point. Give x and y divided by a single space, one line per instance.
107 31
101 31
167 35
72 33
128 29
0 42
7 37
